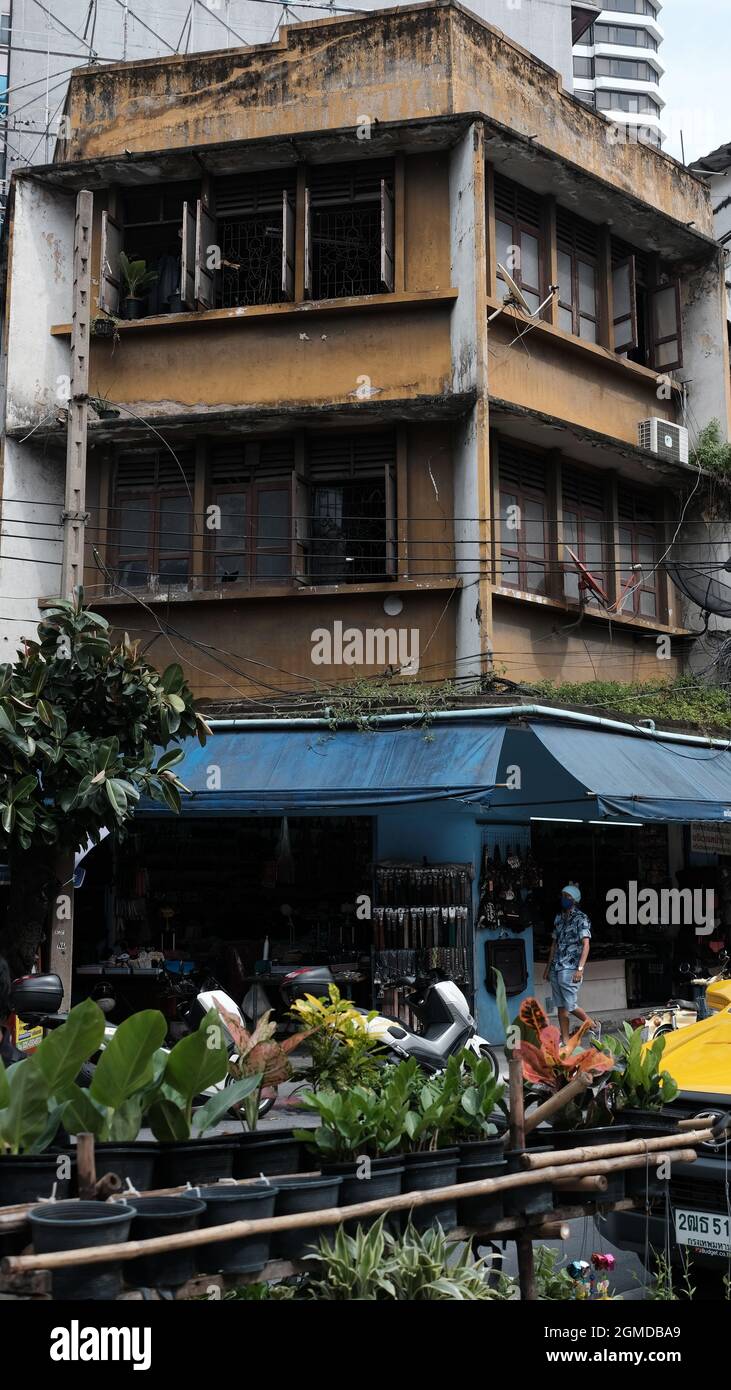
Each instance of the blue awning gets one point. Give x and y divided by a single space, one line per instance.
641 778
282 771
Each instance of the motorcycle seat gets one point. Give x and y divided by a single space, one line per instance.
684 1004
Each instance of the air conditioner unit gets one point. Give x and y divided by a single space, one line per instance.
664 439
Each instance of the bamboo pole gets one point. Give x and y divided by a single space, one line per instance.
523 1242
86 1167
622 1149
597 1183
556 1102
333 1216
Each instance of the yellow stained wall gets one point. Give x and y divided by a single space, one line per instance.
530 646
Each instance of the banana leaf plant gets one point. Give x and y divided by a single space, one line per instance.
32 1091
637 1079
259 1054
549 1065
125 1080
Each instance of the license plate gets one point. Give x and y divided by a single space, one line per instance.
704 1231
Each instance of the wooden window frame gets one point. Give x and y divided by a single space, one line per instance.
152 556
583 513
518 228
641 530
251 549
577 258
520 552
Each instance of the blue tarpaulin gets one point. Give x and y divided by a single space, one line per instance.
640 778
284 771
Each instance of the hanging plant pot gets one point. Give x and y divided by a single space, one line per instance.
135 1162
591 1139
271 1156
163 1216
73 1226
193 1161
104 328
300 1194
481 1211
527 1201
224 1204
425 1177
30 1177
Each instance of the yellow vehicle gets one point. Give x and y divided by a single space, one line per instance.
699 1058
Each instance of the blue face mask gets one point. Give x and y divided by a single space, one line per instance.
567 902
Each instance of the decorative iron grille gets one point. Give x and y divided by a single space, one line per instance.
251 262
346 252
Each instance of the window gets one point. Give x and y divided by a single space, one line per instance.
583 67
637 540
578 245
523 520
352 507
151 520
646 301
349 230
631 7
632 68
588 98
5 31
624 34
519 246
636 102
151 221
252 487
583 529
255 217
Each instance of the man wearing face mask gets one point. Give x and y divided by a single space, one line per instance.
568 956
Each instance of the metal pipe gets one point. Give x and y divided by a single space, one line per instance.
593 721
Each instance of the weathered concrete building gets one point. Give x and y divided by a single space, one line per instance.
336 410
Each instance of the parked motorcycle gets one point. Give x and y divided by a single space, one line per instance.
710 994
447 1025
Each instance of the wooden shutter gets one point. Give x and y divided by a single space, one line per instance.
387 248
110 276
205 237
667 347
187 259
287 246
308 246
624 297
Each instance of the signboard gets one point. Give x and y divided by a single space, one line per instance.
710 837
27 1038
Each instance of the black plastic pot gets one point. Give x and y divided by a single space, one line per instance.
643 1183
481 1211
135 1161
195 1161
253 1155
163 1216
299 1194
29 1177
425 1177
591 1139
650 1123
383 1182
133 308
73 1226
527 1201
224 1204
481 1150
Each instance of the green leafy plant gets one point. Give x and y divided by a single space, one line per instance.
712 451
82 726
125 1078
24 1109
357 1122
637 1079
197 1062
259 1054
433 1104
343 1052
663 1287
136 278
480 1096
374 1266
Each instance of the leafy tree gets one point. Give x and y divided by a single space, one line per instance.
84 725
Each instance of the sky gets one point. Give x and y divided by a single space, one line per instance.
696 54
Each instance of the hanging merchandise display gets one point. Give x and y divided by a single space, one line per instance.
422 924
509 888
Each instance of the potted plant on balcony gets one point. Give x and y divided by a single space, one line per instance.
136 279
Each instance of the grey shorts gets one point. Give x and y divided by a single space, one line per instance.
565 992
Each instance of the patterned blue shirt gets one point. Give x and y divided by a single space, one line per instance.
568 932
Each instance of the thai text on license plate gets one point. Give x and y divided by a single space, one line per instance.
704 1230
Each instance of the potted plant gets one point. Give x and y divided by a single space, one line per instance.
431 1160
479 1140
342 1050
136 279
259 1054
641 1088
359 1139
195 1063
31 1113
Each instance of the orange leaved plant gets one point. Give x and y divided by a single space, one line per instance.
259 1053
550 1062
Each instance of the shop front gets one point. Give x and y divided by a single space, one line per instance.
407 849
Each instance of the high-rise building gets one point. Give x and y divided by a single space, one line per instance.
41 42
617 67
